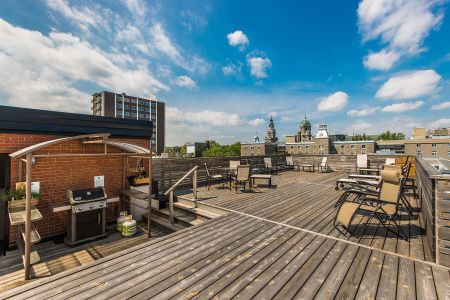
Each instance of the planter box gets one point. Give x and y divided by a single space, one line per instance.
22 202
143 180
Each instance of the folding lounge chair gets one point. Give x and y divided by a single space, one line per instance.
216 177
323 167
242 177
384 207
370 185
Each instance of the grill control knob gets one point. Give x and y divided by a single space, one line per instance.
91 206
79 209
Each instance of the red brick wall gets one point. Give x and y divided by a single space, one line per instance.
58 174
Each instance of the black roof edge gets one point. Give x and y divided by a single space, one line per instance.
26 120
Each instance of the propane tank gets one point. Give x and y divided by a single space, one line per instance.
120 220
128 226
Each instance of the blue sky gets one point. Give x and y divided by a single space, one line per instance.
223 67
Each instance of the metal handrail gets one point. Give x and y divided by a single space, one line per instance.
181 180
170 191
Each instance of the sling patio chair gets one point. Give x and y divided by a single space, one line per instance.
323 167
242 177
269 167
290 163
362 165
214 177
385 207
233 166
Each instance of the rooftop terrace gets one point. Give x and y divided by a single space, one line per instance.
271 243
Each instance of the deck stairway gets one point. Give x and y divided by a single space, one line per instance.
183 211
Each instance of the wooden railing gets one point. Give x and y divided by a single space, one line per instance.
167 171
434 200
170 191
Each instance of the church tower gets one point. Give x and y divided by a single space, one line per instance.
304 132
271 136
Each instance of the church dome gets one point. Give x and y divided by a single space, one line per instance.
305 123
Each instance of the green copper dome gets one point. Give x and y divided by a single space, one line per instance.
305 123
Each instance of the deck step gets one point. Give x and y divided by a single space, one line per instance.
164 222
188 202
205 213
197 222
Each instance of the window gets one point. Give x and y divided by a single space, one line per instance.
127 114
133 101
363 146
417 145
353 147
342 146
433 145
127 106
433 153
448 153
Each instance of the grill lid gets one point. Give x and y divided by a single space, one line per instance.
92 194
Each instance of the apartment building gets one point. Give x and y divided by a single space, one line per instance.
131 107
258 148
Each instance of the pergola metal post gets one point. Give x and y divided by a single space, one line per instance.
27 241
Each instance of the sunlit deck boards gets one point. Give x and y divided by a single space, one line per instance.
58 257
240 256
306 200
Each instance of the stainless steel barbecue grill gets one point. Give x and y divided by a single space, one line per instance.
87 220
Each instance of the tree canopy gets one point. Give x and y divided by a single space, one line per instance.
387 135
361 137
217 150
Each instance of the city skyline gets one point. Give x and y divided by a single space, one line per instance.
223 67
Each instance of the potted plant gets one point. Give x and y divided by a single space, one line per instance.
142 178
17 197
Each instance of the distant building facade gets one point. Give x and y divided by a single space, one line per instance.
257 148
431 143
130 107
196 149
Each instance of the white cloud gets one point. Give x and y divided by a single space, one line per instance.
162 43
383 60
82 16
410 85
258 66
185 81
49 68
365 111
401 26
443 105
333 102
238 39
232 69
440 123
360 126
402 107
136 7
256 122
214 118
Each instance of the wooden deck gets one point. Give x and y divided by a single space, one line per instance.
277 243
57 257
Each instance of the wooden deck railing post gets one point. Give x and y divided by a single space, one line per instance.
171 207
28 217
194 185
